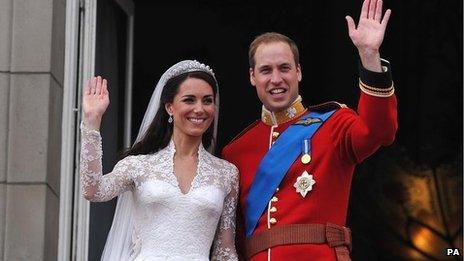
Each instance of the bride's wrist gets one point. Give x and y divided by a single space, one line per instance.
92 122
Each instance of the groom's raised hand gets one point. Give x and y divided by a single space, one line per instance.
369 34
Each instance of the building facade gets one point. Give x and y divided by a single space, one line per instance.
47 48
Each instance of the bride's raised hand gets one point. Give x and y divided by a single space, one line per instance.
95 102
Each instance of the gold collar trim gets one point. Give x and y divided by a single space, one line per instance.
275 118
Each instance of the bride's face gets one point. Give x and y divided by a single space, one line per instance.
193 107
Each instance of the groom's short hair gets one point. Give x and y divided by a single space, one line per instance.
271 37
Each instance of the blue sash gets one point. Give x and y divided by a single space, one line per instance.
275 164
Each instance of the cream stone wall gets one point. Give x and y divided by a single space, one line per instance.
32 36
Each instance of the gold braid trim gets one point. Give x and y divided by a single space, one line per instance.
377 92
375 89
275 118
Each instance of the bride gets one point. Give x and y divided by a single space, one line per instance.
176 200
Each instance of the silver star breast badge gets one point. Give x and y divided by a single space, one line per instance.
304 183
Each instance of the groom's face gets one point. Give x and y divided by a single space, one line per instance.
275 75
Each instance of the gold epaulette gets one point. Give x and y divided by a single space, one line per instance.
327 106
244 131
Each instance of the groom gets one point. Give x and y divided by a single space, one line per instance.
296 163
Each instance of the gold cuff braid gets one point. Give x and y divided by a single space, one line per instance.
377 92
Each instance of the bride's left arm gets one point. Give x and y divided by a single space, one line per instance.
224 242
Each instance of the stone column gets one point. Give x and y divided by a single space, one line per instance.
31 94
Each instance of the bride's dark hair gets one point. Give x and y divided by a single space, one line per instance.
159 132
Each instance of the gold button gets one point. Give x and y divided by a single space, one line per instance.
275 134
273 209
272 221
274 199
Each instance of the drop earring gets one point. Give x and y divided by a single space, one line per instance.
170 119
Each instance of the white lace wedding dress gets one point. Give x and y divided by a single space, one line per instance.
168 225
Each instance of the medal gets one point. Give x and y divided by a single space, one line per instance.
306 158
304 183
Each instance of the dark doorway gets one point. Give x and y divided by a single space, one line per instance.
110 63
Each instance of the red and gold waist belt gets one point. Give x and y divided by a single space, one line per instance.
337 237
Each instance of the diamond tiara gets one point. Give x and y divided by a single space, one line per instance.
188 66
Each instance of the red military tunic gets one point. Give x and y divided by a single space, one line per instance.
344 140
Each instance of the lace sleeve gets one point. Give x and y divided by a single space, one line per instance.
224 242
95 186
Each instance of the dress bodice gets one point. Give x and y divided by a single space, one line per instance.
168 224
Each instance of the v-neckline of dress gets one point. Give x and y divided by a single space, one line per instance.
175 180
